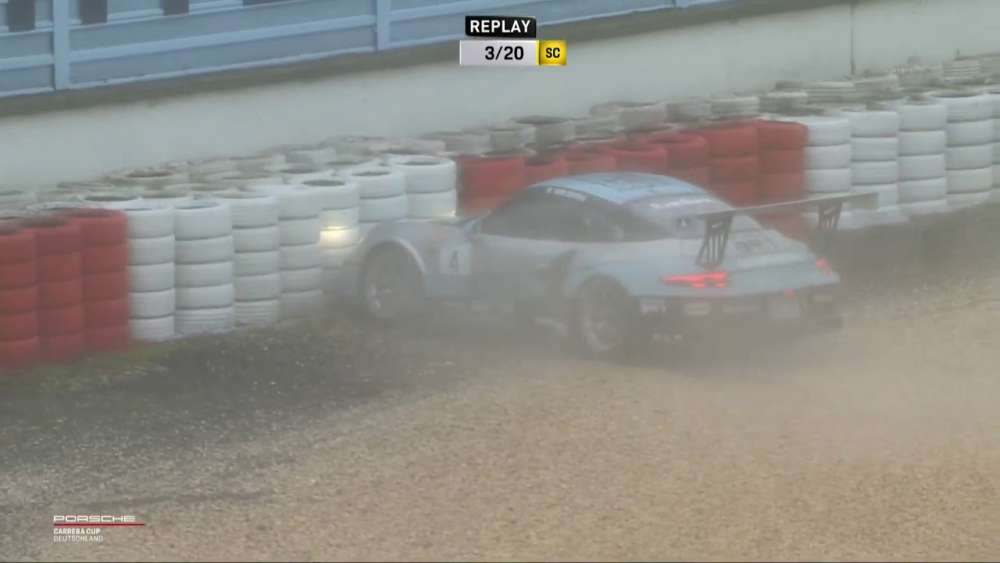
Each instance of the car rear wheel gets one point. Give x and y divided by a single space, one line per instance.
605 320
391 285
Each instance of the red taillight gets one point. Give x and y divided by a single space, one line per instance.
824 266
699 281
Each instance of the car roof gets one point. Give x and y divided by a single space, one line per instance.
623 187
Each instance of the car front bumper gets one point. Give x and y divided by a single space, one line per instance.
805 309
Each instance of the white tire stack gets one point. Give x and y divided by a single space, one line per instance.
298 174
299 256
993 94
828 160
204 269
167 197
383 195
257 260
16 198
151 254
923 142
310 156
430 186
339 223
969 154
875 163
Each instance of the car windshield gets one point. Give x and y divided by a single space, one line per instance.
677 214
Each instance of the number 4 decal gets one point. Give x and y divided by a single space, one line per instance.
456 259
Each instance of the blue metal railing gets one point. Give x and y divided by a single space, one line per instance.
75 44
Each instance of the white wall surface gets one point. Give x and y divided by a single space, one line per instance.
750 53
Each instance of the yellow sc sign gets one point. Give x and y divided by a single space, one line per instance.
551 53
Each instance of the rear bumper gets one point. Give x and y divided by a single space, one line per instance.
811 309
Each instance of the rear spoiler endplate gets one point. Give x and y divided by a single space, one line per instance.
718 224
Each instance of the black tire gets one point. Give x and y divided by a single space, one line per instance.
392 286
604 322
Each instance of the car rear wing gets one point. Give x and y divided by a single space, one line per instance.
718 224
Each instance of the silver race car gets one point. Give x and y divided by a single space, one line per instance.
617 256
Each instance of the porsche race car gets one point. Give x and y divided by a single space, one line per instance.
616 256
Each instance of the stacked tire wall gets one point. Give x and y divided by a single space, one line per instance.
60 287
488 181
339 223
19 323
204 268
383 195
969 154
299 256
256 259
105 257
735 163
994 96
875 163
828 158
430 186
782 160
923 140
151 273
688 156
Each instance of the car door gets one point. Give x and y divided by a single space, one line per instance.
517 243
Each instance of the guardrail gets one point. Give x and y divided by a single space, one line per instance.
50 45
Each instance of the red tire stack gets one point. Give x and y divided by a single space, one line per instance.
60 287
689 156
105 277
636 155
734 161
545 167
19 343
590 160
489 180
782 158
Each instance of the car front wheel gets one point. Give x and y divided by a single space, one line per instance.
391 285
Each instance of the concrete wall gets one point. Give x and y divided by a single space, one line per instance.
749 53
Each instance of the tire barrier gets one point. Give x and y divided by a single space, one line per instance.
923 142
827 154
969 155
590 161
637 116
59 276
875 165
314 157
341 214
548 130
16 198
638 156
383 194
512 137
782 164
489 180
203 272
735 107
298 213
148 177
734 149
431 184
993 94
685 150
20 344
104 256
299 227
540 168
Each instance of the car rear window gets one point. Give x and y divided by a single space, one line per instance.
677 215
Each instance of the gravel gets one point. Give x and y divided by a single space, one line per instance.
474 439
